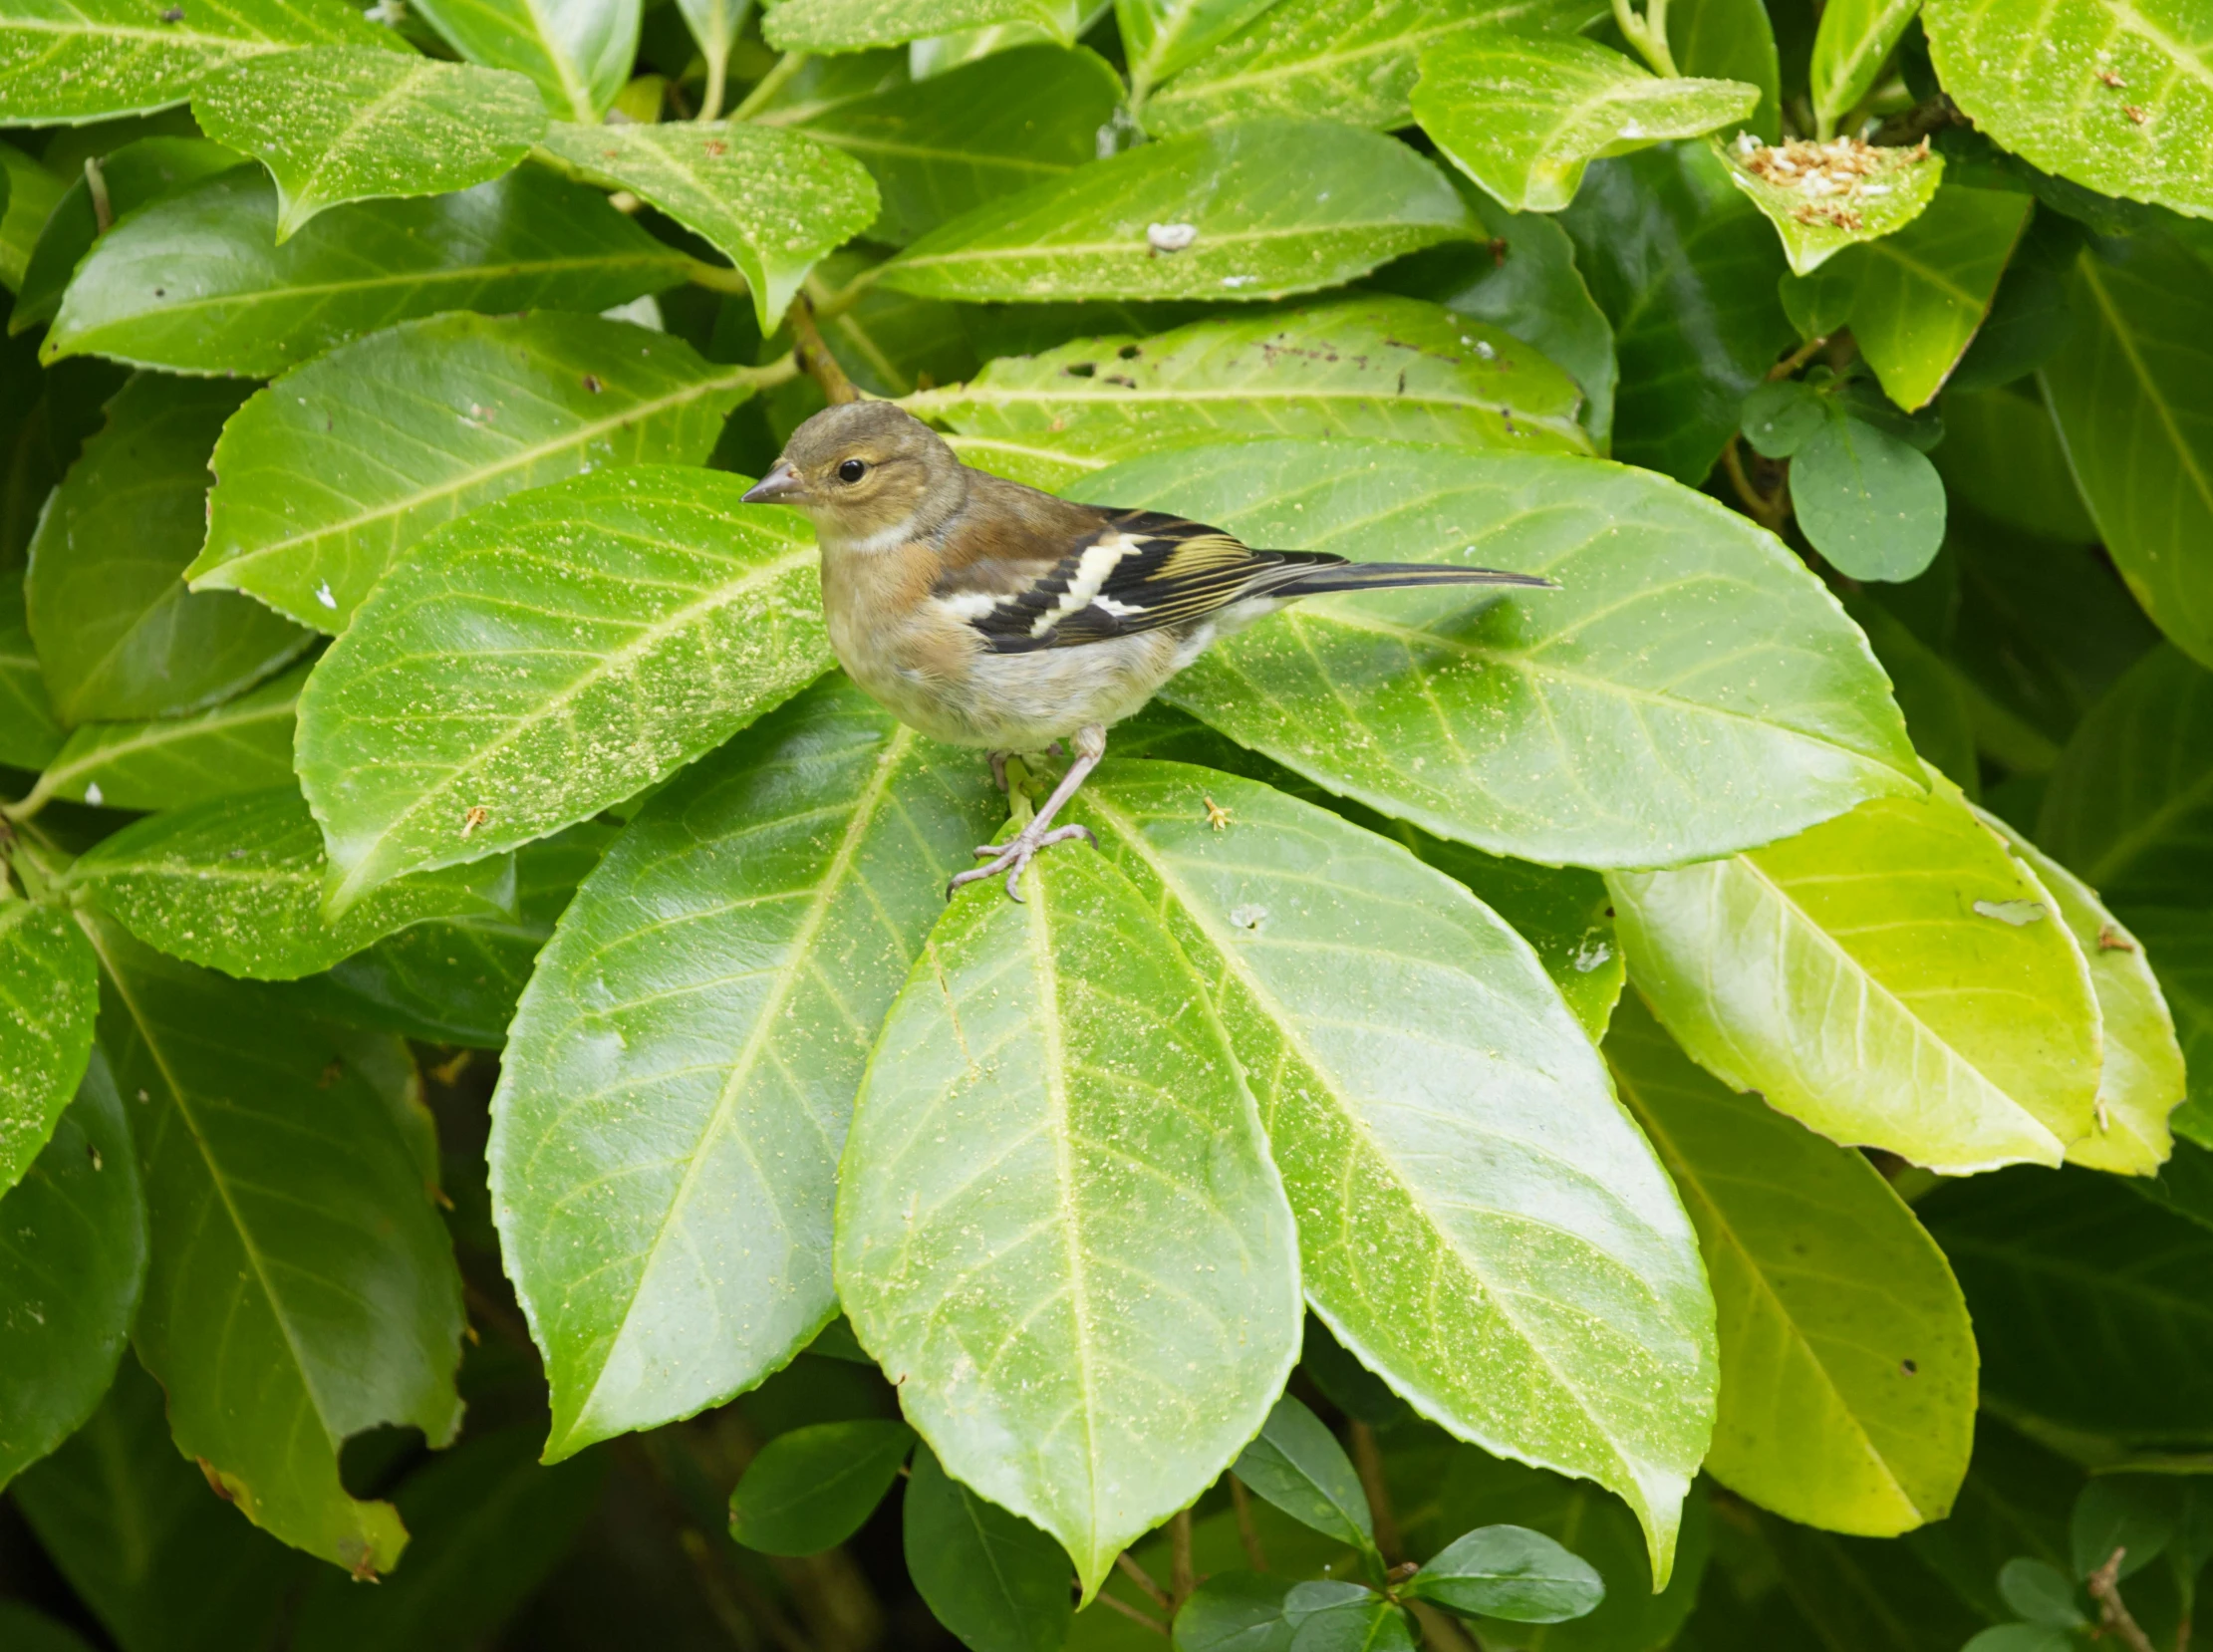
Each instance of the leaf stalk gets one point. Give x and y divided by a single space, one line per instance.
1648 33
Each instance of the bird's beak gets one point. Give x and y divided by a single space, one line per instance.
781 486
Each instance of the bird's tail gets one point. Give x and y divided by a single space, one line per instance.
1338 575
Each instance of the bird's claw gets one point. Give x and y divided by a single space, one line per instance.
1012 856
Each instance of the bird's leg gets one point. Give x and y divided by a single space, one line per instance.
998 761
1040 833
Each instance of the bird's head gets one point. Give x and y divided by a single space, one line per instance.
864 469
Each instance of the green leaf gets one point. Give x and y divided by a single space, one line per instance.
492 1524
1525 115
51 985
25 1631
2130 802
1854 40
29 735
772 201
1511 1572
1940 703
1730 40
28 193
2118 1513
338 124
236 884
578 51
2181 957
1296 1464
1868 501
2000 455
195 282
2020 1637
1915 298
334 472
2040 1593
1847 1391
1235 1612
242 744
1685 268
1035 1246
78 59
134 175
995 1582
2142 1079
1420 1144
1371 1624
2090 1302
164 1566
1892 979
301 1287
1159 36
795 874
811 1489
1389 368
1782 415
1359 200
2103 91
1354 61
579 642
2135 407
1607 681
1824 197
118 636
941 146
72 1259
851 25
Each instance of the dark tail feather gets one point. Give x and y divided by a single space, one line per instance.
1384 576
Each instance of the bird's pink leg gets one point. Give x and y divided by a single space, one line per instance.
1016 854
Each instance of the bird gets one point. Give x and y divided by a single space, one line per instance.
992 615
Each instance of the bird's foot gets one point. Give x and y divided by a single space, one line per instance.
998 761
1016 854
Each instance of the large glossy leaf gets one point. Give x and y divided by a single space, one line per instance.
2131 805
1824 197
337 124
147 1546
2000 455
1855 38
2142 1079
197 284
578 51
1274 207
242 744
2115 94
771 201
1610 722
1893 979
329 475
1847 1365
2131 393
1685 268
577 643
1377 367
2090 1302
80 60
1159 36
1450 1140
941 146
51 989
301 1287
684 1061
1056 1210
850 25
1354 61
119 636
29 735
236 884
73 1258
1525 115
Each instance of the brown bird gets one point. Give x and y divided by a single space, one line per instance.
990 613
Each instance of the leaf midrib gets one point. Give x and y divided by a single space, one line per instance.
1141 250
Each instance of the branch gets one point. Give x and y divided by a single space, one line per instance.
1133 1615
1766 509
1183 1576
1127 1563
1367 1457
2105 1588
813 355
1248 1534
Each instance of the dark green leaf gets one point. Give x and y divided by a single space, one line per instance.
1370 1625
243 744
1940 703
2118 1511
1782 415
28 192
704 1015
811 1489
332 473
579 642
29 735
2040 1593
118 636
23 1630
1605 678
1274 206
1511 1572
995 1582
2179 944
301 1287
49 985
849 25
72 1259
1235 1612
1868 502
579 54
2020 1637
337 124
1296 1464
196 283
2014 1503
2001 455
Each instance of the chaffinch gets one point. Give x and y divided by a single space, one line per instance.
988 614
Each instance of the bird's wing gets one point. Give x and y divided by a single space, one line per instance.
1137 571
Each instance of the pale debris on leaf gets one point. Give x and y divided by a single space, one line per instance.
1169 237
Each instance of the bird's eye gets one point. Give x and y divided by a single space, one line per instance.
852 471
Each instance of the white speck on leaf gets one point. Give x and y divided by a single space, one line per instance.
1169 237
2017 913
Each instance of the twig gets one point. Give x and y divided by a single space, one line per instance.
1766 509
1798 358
1440 1632
717 79
829 308
720 278
1648 33
1367 1457
1248 1534
1133 1615
2105 1588
96 185
769 83
813 355
1127 1565
1183 1576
